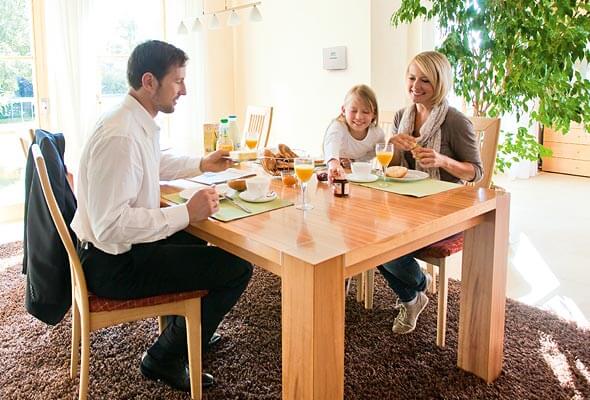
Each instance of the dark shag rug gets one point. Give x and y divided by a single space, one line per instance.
545 356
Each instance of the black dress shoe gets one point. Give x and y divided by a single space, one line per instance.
214 339
173 372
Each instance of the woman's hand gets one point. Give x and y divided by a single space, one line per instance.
428 158
403 141
335 170
215 162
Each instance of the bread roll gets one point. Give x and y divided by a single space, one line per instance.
237 184
396 172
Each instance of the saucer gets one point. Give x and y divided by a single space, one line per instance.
247 196
362 179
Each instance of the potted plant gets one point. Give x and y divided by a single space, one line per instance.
517 57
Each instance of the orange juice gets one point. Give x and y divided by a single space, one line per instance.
251 143
384 157
226 147
304 172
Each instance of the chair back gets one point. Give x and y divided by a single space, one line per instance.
488 131
79 289
386 122
258 120
26 140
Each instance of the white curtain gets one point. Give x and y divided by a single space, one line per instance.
72 71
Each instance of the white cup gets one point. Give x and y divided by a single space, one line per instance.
361 169
258 186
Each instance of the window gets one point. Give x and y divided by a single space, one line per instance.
122 31
18 105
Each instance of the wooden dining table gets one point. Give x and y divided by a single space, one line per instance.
314 251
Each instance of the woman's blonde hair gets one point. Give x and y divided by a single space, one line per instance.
437 69
367 95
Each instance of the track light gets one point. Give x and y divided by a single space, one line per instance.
197 26
255 15
214 22
233 20
182 30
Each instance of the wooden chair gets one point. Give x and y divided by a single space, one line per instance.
25 140
258 120
90 312
386 122
488 131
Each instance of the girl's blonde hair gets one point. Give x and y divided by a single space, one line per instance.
367 95
437 69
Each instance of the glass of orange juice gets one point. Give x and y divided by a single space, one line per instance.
384 154
251 140
304 172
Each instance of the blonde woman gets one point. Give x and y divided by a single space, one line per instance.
353 134
433 137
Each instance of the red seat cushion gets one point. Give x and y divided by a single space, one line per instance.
444 248
97 304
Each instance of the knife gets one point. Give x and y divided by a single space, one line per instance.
235 203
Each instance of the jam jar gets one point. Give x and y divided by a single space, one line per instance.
340 187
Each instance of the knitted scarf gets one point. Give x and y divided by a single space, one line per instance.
429 132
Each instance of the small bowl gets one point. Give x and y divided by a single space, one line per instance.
288 177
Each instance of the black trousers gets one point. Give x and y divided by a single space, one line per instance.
179 263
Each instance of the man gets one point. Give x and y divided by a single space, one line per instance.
132 248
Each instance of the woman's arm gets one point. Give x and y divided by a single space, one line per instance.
428 158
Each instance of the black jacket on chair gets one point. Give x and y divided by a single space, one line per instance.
48 291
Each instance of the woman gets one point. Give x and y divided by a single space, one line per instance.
433 137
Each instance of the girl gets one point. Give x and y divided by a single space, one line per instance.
353 134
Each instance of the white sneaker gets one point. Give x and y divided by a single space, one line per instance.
405 322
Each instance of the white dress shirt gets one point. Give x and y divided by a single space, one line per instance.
339 143
118 189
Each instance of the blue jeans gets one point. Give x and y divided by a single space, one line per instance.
404 276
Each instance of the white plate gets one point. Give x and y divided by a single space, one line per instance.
362 179
188 193
411 176
246 196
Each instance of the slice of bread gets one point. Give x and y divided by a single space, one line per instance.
396 172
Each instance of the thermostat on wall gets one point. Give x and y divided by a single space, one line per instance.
335 57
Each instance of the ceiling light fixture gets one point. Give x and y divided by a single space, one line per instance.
233 20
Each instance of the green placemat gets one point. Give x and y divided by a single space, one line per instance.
422 188
229 212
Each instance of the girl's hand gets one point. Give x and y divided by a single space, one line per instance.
403 141
428 158
335 170
345 162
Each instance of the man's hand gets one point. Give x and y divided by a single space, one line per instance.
403 141
215 162
203 204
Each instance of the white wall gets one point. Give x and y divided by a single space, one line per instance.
279 63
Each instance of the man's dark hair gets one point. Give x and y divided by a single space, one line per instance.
153 56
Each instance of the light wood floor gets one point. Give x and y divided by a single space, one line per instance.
549 254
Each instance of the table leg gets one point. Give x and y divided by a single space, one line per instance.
483 294
313 329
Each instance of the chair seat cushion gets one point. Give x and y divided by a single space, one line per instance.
98 304
444 248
